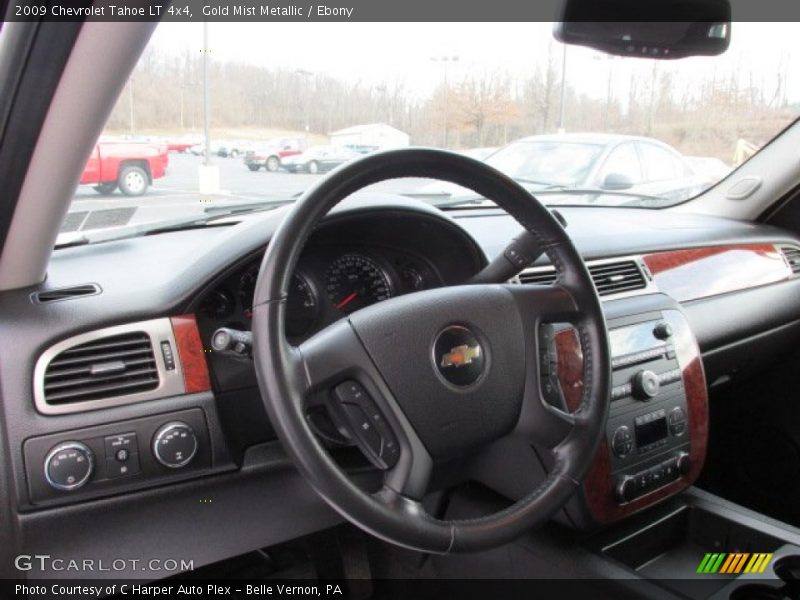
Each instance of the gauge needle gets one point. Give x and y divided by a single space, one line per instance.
348 299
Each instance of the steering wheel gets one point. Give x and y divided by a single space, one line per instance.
428 376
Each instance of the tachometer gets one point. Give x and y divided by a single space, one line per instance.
301 307
247 289
355 281
219 304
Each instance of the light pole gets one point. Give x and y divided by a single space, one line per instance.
445 60
206 97
609 59
561 128
307 103
208 174
186 85
130 103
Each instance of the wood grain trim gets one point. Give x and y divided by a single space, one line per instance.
695 273
570 367
598 487
191 353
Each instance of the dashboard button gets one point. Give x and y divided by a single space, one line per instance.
121 441
622 441
122 468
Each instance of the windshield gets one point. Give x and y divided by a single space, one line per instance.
548 163
270 108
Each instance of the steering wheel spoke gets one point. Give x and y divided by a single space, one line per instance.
545 303
335 363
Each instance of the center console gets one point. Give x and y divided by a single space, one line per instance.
647 429
657 428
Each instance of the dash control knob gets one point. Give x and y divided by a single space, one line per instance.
626 489
662 330
646 385
174 444
69 466
684 463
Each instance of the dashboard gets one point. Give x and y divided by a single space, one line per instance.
182 286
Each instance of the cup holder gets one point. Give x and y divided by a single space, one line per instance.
788 568
757 591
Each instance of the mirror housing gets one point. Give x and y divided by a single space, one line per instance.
617 182
661 29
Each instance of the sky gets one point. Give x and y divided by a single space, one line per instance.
385 53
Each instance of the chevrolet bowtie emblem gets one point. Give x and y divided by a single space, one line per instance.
460 356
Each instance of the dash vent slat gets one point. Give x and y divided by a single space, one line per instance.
792 256
609 277
112 366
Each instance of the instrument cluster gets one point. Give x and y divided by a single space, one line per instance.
330 282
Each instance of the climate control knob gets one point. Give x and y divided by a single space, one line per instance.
174 444
626 489
645 385
69 466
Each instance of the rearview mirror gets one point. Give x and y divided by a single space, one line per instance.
617 181
664 29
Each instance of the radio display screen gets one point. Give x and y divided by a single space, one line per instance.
649 433
634 338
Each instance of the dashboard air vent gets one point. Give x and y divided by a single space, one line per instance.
609 277
89 289
792 256
111 366
615 277
541 277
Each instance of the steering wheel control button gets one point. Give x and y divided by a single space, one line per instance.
367 426
175 444
645 385
622 441
69 466
458 356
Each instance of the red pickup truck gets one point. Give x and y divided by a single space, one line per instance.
131 166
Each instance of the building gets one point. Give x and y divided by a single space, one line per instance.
376 136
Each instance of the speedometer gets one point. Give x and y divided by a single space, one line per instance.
355 281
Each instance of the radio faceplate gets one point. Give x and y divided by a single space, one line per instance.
647 430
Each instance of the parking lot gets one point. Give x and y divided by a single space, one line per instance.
177 192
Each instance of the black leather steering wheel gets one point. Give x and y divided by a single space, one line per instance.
436 373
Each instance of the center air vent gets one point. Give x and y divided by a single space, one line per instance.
107 367
610 277
616 277
792 256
